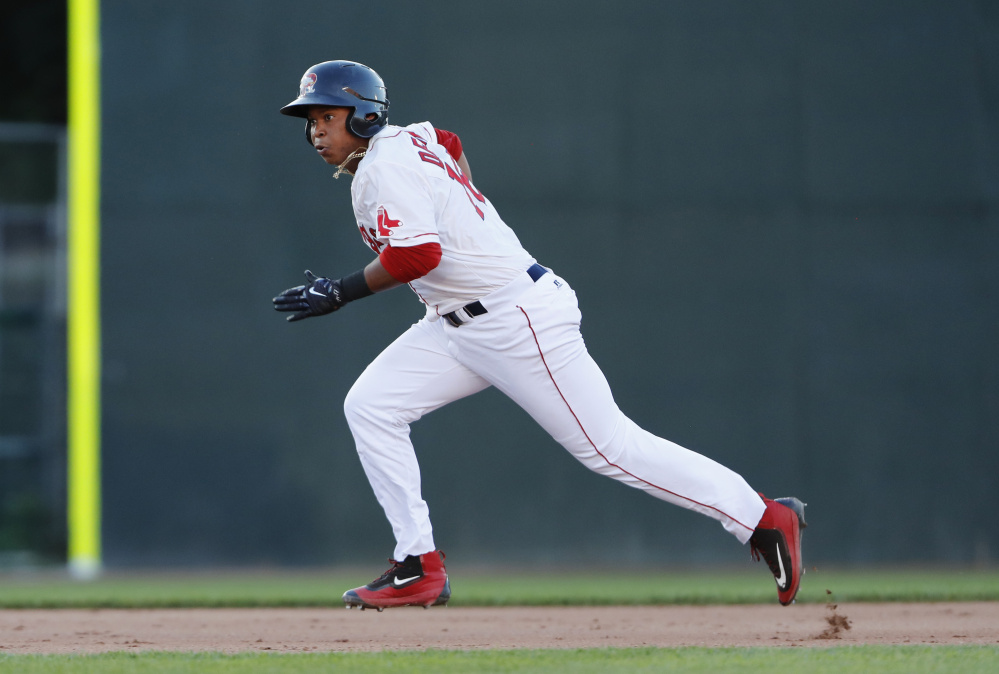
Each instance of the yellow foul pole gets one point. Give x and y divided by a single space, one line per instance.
84 329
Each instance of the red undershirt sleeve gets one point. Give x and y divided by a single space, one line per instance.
451 143
410 262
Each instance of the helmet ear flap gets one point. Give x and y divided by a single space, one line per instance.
365 126
354 125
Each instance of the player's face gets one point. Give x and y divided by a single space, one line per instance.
330 136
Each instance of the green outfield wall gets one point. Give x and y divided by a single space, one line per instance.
781 218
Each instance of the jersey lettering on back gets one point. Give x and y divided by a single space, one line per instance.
454 173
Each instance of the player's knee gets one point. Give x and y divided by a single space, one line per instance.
601 447
361 407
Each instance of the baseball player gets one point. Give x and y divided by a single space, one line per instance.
494 317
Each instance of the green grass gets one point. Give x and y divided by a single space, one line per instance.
882 659
478 588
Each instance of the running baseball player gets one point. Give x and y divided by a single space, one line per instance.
494 317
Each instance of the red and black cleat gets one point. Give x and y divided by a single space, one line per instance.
778 539
415 581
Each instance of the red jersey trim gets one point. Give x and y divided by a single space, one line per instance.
401 242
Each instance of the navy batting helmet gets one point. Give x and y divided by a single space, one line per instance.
343 84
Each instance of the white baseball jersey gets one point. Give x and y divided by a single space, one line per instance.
409 191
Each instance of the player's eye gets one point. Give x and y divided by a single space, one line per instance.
328 117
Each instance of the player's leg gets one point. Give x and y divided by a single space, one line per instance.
413 376
534 353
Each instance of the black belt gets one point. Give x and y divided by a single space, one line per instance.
535 271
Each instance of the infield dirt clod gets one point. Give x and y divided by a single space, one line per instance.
837 623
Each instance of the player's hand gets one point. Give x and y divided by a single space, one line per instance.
320 296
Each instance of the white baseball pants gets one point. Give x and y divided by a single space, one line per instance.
527 345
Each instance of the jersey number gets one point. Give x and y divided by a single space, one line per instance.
369 236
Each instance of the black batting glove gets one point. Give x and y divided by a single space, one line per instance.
320 296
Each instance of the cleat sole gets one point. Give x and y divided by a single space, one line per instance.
797 506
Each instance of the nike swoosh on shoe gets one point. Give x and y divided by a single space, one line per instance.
782 579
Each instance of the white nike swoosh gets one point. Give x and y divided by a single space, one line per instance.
402 581
782 579
313 291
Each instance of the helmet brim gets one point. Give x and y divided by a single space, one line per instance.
299 106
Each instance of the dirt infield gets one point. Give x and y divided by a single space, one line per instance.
298 630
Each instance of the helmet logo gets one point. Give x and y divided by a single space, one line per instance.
308 84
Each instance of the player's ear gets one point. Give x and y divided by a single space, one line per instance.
371 117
